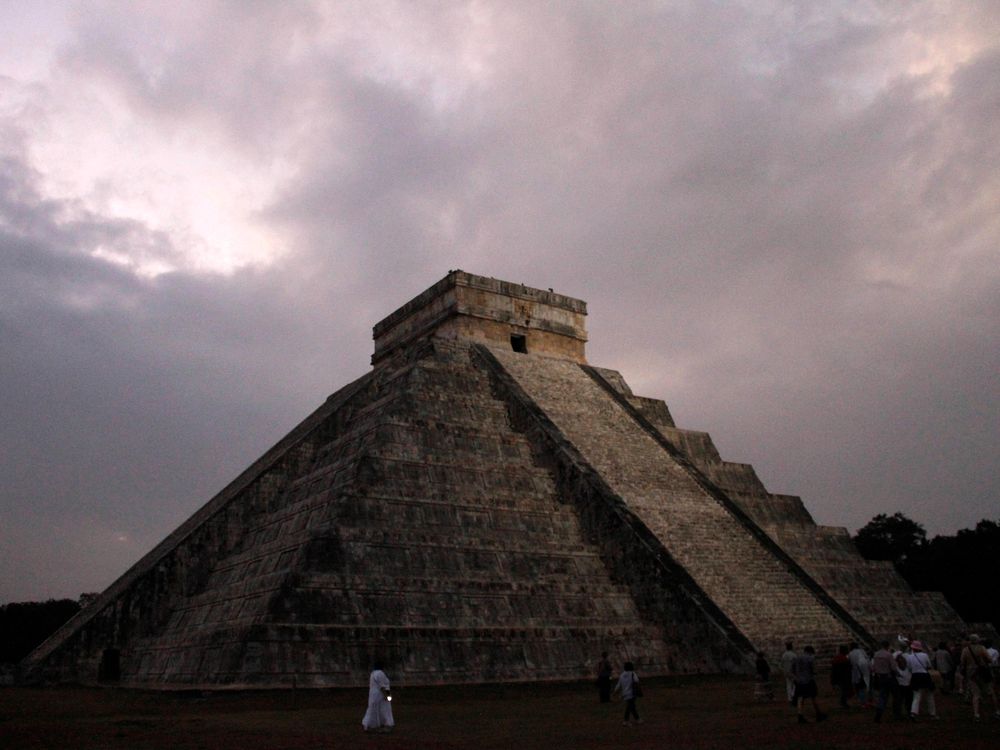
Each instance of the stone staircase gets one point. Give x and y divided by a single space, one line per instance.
765 599
872 591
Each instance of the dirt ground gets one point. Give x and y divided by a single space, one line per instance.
677 713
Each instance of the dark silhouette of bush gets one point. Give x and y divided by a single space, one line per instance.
24 625
896 538
964 567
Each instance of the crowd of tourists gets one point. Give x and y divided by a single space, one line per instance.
900 676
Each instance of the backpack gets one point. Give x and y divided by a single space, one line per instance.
983 673
636 687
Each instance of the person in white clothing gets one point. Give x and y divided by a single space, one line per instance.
919 664
860 673
787 659
903 697
992 653
378 717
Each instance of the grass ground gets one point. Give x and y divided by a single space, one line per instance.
689 713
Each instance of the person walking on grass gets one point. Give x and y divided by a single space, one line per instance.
861 674
901 707
840 675
804 671
763 690
945 664
919 664
884 679
961 686
604 678
975 664
378 717
787 659
628 686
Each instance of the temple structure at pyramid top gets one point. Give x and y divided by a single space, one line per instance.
490 311
484 505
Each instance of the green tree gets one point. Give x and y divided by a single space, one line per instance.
896 538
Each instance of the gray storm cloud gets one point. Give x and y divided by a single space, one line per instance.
783 218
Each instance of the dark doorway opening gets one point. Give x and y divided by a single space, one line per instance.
519 343
111 668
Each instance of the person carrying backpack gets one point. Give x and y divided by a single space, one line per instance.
975 663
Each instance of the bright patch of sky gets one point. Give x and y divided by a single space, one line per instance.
90 146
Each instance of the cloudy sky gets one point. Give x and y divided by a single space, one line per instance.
784 217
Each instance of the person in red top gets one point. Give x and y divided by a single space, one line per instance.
840 675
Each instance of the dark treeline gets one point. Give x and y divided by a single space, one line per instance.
24 625
964 567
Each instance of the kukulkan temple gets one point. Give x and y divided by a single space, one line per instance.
482 506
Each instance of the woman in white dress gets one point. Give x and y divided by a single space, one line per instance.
378 717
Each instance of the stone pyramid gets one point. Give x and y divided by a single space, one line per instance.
483 506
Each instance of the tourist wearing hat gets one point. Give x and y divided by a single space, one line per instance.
919 664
